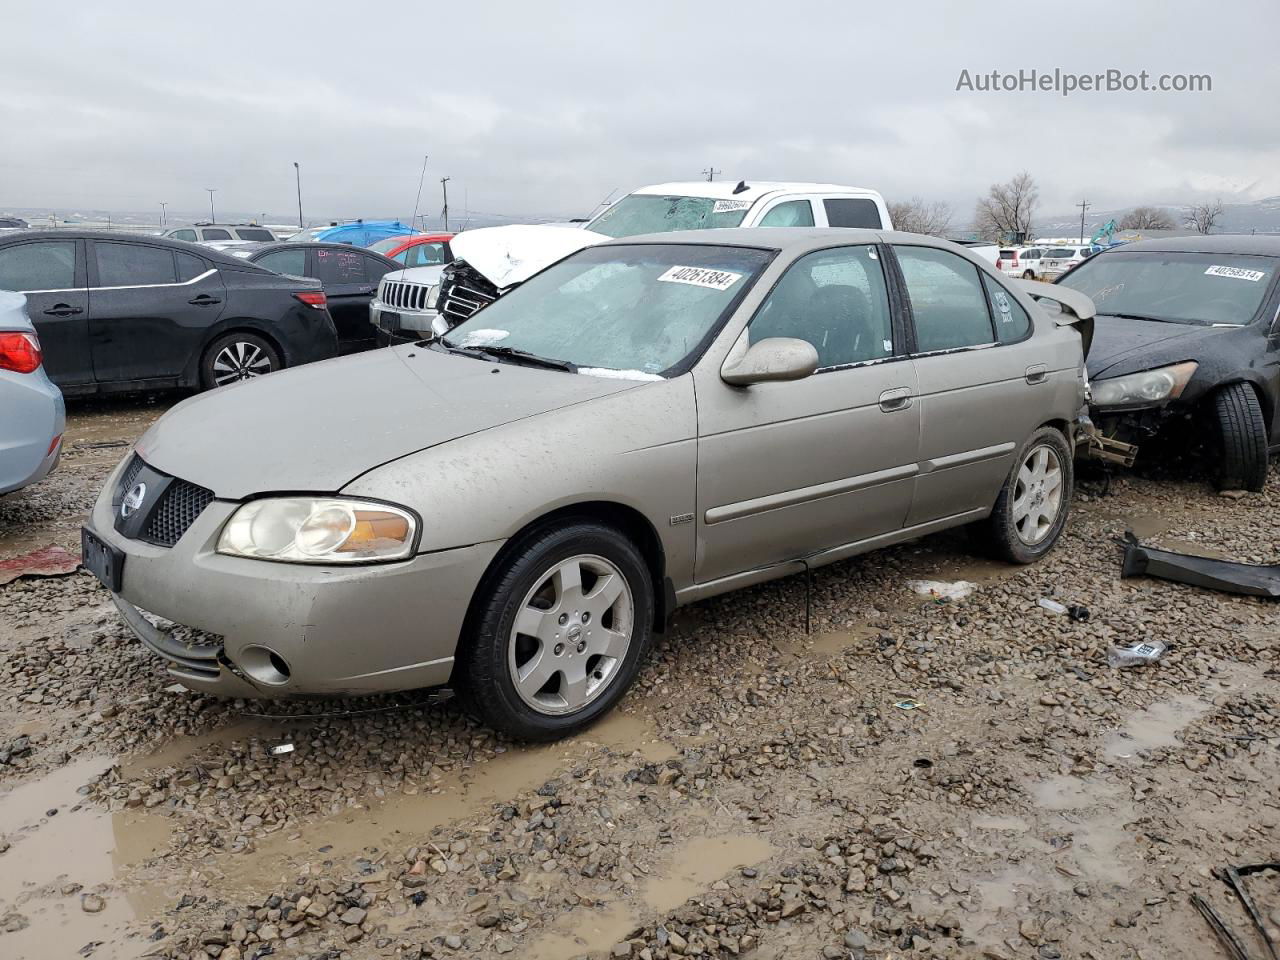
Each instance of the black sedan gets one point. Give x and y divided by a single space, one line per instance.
349 274
122 312
1188 332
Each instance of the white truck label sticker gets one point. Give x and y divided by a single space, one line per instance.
1238 273
701 277
729 206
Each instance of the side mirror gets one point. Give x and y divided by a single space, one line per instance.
775 358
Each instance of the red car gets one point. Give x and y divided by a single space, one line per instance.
418 250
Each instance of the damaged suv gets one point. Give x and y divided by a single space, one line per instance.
490 261
641 425
1188 334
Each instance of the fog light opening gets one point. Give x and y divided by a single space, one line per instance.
264 665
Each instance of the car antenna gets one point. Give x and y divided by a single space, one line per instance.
422 176
741 188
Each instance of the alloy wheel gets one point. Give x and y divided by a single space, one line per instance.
239 360
1037 495
571 635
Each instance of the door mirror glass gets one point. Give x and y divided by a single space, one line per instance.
775 358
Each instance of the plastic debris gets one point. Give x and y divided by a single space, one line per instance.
942 590
1053 606
909 703
280 749
1148 651
1078 613
1249 579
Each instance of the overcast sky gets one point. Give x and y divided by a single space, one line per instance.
538 109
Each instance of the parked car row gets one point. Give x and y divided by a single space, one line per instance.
1042 262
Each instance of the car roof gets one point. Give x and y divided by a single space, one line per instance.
1237 243
798 239
198 249
265 246
724 189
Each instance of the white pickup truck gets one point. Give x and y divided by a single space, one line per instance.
420 302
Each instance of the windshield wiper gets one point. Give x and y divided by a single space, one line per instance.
510 354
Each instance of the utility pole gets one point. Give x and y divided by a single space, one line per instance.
444 187
163 218
711 172
297 173
1083 205
212 191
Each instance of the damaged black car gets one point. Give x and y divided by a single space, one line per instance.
1187 335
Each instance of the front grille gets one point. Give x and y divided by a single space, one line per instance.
404 295
463 292
176 511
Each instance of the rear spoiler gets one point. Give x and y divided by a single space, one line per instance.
1072 302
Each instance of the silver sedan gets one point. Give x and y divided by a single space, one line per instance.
515 508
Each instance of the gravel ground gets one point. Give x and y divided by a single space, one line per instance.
759 792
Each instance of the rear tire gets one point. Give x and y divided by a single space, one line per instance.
558 632
1028 275
1035 501
237 356
1240 438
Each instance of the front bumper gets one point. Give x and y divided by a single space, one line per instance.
398 325
338 630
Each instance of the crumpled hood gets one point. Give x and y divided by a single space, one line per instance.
318 427
513 254
1123 345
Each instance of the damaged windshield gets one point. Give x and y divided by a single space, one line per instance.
651 213
1175 287
637 311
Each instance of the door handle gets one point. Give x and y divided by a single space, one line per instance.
1037 373
62 310
899 398
204 300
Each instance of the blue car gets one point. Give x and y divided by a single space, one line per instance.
32 416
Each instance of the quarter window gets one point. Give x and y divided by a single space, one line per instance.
132 264
46 265
948 302
1012 322
189 267
793 213
852 212
215 234
834 299
374 269
292 262
185 235
425 255
254 233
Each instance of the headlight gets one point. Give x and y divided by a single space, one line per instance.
319 530
1150 386
433 294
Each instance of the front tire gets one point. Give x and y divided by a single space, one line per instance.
1028 275
558 632
237 356
1240 434
1035 501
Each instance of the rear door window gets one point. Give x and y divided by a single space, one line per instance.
292 262
425 255
44 265
948 302
133 264
189 235
852 212
254 233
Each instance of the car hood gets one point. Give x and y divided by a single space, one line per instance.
318 427
513 254
423 275
1124 345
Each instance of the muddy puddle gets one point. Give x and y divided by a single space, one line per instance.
696 865
405 818
63 853
1157 726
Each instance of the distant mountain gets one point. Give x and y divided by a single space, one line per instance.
1258 216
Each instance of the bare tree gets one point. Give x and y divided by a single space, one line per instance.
1203 217
1147 218
916 216
1006 211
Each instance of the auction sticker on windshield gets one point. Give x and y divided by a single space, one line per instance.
730 206
701 277
1239 273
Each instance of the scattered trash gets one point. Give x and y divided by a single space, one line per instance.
1235 949
909 703
1250 579
1141 653
48 561
1053 606
1233 877
941 590
1078 613
924 763
176 688
280 749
